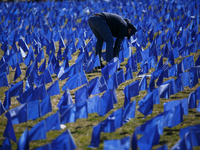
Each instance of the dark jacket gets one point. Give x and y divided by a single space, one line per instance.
118 27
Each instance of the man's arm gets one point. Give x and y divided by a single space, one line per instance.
117 47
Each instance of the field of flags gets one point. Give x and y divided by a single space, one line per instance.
44 37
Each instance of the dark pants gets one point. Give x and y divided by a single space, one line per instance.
102 32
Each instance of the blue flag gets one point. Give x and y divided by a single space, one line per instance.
93 86
147 107
64 140
193 77
23 142
93 104
120 144
3 79
33 110
129 74
120 77
66 99
6 145
9 130
54 89
53 122
81 94
106 103
45 105
37 132
16 89
81 110
143 83
170 105
19 114
7 100
2 109
129 112
149 139
68 114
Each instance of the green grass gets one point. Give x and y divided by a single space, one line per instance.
82 129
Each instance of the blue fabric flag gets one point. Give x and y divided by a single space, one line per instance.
93 86
93 104
42 66
134 142
123 143
148 125
106 103
23 44
147 107
172 86
95 136
16 89
29 57
112 82
129 74
164 91
149 139
45 105
143 83
192 103
129 112
6 145
170 105
193 77
33 110
3 79
120 77
38 131
65 140
9 130
17 72
66 99
81 110
53 122
72 83
68 114
2 109
179 84
54 89
197 62
40 92
23 142
19 114
178 115
102 84
81 94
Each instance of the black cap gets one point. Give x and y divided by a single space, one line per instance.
130 25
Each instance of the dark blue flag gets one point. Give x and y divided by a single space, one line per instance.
53 122
23 142
38 131
9 130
